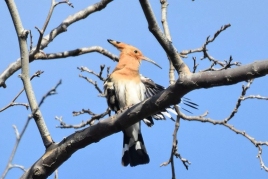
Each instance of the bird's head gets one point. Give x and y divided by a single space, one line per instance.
131 51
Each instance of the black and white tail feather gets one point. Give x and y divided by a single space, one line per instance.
154 88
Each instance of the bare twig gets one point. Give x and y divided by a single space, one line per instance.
225 123
50 93
238 103
12 103
256 143
77 52
99 75
31 40
20 135
13 67
84 111
224 65
259 156
41 32
174 150
91 121
195 65
66 2
164 5
92 82
208 40
254 97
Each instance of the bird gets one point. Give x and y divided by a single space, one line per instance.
124 87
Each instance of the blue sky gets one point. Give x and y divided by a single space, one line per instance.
214 151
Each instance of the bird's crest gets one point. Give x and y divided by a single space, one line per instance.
130 51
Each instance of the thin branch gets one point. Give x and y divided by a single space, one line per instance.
12 103
179 65
238 103
208 41
224 65
77 52
195 65
50 93
84 111
13 67
174 150
66 2
164 5
94 83
99 75
42 31
90 122
256 143
254 97
31 40
20 135
259 156
19 167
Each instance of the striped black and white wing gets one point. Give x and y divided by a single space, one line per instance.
109 93
153 88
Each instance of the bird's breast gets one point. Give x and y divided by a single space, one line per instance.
129 92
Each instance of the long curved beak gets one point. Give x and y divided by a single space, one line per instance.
151 61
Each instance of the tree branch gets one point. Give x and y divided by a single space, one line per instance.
22 36
208 41
224 123
77 52
15 66
42 31
59 153
179 65
90 121
12 103
164 5
20 135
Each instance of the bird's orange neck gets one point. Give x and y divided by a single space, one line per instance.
127 65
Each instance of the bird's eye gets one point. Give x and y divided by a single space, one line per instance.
135 51
118 42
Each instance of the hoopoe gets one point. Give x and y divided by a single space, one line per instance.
125 87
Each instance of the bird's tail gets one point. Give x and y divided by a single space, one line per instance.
134 152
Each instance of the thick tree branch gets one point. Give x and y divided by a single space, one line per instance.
58 153
179 65
22 37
